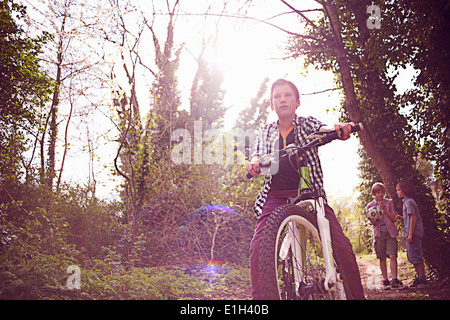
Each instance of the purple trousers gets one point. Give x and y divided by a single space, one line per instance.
342 247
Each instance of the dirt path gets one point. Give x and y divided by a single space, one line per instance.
372 282
235 285
370 276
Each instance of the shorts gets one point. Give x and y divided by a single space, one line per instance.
414 250
385 245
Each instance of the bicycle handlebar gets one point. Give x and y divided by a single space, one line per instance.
332 135
320 139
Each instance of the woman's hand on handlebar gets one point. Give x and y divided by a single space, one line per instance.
253 167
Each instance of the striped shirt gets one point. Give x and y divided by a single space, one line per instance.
268 141
390 225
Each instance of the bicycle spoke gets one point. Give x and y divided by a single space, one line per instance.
301 271
291 261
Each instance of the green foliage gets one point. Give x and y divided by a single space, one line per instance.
91 225
353 222
428 100
45 277
188 215
24 88
32 249
139 284
38 246
191 206
120 246
375 57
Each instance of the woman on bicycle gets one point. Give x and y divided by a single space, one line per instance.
280 185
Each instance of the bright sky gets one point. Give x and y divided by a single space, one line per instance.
248 51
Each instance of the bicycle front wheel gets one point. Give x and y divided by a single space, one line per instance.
291 258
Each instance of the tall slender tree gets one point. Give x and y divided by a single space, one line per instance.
164 91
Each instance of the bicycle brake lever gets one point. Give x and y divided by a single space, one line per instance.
315 135
265 162
290 147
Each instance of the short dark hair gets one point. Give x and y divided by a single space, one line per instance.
281 82
407 188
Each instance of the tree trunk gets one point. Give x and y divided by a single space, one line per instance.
54 108
53 126
352 106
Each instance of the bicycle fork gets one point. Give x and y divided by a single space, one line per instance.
325 236
298 249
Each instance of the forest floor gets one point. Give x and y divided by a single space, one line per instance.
372 281
234 284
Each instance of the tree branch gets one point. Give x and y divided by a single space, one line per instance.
322 91
300 13
248 18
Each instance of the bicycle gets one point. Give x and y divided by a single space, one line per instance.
296 257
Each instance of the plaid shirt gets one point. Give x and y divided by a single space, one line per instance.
268 140
392 229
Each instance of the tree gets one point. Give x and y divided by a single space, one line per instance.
133 138
72 58
165 95
24 89
341 41
353 222
206 99
429 99
206 95
253 117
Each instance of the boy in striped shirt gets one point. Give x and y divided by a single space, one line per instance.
385 233
279 186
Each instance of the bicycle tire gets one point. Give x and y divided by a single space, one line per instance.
276 274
